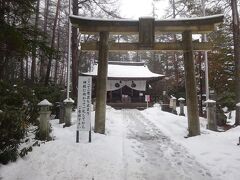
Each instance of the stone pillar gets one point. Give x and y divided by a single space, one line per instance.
174 104
165 104
237 112
57 104
190 85
62 113
44 119
211 115
68 105
181 103
101 90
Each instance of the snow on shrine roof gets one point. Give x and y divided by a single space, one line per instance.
126 70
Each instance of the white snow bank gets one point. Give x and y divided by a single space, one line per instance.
118 155
63 158
218 151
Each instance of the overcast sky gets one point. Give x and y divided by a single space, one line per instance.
134 9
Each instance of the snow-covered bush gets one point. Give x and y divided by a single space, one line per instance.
19 110
12 130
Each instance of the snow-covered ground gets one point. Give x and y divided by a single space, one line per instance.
138 145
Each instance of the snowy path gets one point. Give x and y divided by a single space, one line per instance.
158 156
138 145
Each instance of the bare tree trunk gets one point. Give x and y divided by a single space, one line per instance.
33 68
58 56
62 73
236 41
42 60
26 75
21 69
13 71
2 66
2 44
2 12
74 52
175 60
52 44
200 84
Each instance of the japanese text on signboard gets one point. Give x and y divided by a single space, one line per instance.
84 103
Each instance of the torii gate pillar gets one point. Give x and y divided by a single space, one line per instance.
101 91
190 85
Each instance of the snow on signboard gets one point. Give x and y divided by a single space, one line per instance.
84 103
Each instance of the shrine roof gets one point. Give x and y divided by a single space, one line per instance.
126 70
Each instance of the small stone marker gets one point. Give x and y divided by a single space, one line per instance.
237 112
211 115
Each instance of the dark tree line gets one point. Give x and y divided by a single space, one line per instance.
34 43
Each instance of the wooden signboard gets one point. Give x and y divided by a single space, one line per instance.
84 104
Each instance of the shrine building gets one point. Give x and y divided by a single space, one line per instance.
127 83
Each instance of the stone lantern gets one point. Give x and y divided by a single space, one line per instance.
181 103
44 119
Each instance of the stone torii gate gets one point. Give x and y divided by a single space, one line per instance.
146 28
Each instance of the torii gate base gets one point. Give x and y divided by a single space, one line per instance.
146 28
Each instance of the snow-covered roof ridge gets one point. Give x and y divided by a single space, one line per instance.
99 19
133 20
44 102
68 100
172 97
238 104
126 71
210 101
132 63
181 99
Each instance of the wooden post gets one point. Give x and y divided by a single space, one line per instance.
174 104
101 91
146 32
110 96
190 85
